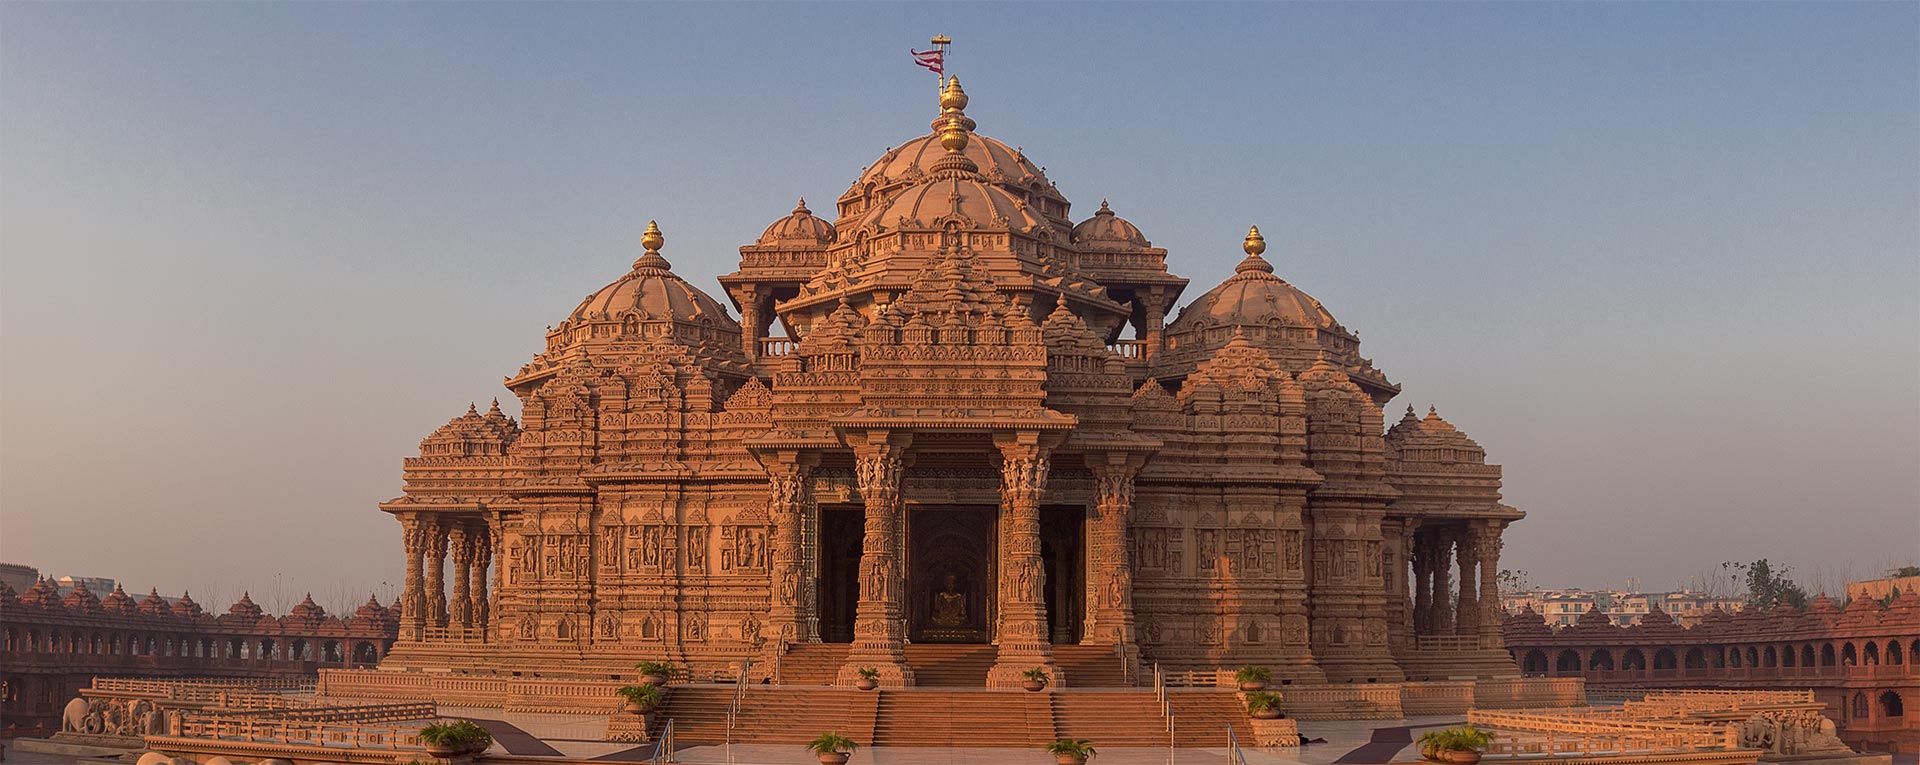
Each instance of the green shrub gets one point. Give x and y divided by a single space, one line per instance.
1071 747
660 668
831 742
1253 674
869 673
1037 673
456 733
1462 739
647 696
1262 701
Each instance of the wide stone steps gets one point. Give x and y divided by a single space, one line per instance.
1132 718
769 716
953 718
950 665
963 718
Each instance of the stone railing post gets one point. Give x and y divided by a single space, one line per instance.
1439 571
1022 628
879 623
481 556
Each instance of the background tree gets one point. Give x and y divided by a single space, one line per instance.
1514 580
1766 587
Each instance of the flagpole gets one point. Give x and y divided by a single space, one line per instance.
940 43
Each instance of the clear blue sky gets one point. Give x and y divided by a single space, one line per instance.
1661 259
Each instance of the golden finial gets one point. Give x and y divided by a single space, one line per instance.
652 240
1255 244
952 98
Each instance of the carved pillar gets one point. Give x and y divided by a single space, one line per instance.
413 611
1422 583
1022 627
1397 539
460 611
1490 609
497 540
749 321
1109 569
1156 334
482 542
1440 612
1467 614
879 622
436 572
790 481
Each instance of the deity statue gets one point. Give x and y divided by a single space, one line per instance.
950 605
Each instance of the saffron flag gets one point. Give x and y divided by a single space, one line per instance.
932 59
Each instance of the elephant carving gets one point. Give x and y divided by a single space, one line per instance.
74 718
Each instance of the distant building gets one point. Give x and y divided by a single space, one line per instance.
17 576
95 583
1882 589
1561 608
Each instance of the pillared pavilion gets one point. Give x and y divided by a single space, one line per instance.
953 416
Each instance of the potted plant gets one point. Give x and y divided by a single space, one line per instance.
832 748
656 672
1071 751
452 739
869 679
1455 746
1036 679
1262 705
1252 678
641 699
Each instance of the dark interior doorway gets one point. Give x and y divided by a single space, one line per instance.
842 529
950 574
1063 549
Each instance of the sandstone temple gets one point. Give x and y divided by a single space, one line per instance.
952 422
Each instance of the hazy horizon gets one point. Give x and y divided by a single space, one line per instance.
1661 260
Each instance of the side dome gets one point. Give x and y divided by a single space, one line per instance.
652 292
1106 230
798 228
1254 297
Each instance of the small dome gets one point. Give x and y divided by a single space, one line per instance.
245 607
153 603
916 159
118 602
309 610
81 598
1254 297
186 607
473 435
1432 439
1107 229
653 292
962 196
799 228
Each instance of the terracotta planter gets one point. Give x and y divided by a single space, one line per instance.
1034 685
1455 757
445 751
1265 714
1253 686
866 685
477 747
833 758
1069 759
653 679
638 709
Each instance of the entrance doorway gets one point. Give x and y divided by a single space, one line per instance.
1063 551
842 531
950 574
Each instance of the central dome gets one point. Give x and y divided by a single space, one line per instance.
933 202
918 160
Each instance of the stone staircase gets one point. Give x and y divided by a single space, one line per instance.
1132 717
936 717
963 718
768 715
954 665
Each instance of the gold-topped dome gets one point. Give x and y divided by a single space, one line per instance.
1105 229
953 146
652 292
960 196
798 228
1253 296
